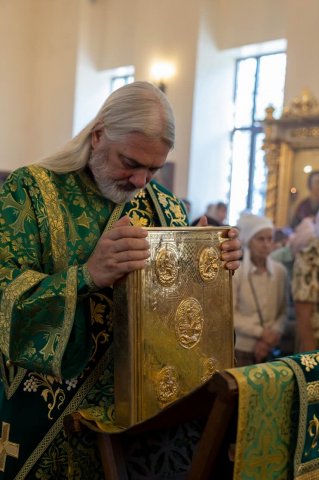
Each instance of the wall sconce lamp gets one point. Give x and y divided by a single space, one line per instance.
161 72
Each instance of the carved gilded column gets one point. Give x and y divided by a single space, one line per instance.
272 150
291 144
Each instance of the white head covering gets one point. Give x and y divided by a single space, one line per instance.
250 224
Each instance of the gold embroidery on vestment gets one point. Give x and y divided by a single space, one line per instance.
313 392
69 309
11 294
313 430
7 448
54 397
15 377
70 407
24 214
309 361
158 209
55 217
115 215
88 384
49 348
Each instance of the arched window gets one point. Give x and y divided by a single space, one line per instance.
118 81
259 82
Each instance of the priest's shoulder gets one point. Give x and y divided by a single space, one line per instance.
160 189
19 175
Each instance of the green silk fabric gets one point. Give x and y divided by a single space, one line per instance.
55 330
278 419
266 431
306 370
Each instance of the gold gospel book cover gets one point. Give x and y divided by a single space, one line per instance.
173 321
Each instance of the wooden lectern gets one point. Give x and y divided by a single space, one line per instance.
214 403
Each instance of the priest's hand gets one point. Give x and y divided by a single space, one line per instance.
120 250
231 249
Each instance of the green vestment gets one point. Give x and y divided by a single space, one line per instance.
55 330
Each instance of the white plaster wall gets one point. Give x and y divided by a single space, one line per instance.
53 55
302 31
53 63
92 83
15 81
121 22
38 42
245 22
237 28
140 32
169 32
209 167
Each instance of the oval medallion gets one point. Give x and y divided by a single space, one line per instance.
210 366
189 322
167 385
166 266
209 263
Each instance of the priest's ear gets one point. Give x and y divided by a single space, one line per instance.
97 135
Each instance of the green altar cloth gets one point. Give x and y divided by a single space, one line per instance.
278 419
266 422
306 459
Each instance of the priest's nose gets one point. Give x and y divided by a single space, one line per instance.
140 178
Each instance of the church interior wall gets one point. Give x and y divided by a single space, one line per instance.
55 55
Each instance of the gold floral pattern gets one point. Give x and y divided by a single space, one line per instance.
54 397
313 430
309 360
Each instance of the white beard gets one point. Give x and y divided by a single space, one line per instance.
115 190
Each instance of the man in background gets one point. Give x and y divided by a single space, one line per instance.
310 205
216 214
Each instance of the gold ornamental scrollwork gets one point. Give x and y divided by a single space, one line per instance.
166 266
313 392
272 155
305 132
305 105
209 264
288 140
189 321
313 432
167 385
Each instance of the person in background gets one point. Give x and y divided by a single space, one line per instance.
188 206
284 247
284 253
310 205
216 214
259 293
70 227
305 284
281 237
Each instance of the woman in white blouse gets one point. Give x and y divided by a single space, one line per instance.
259 293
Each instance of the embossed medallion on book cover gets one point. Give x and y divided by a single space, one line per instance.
173 322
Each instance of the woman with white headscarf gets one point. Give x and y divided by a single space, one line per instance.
259 293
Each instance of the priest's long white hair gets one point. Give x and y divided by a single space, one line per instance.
137 107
